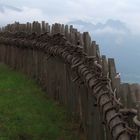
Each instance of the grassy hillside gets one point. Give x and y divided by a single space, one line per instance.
26 113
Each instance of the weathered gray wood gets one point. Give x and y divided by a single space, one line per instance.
57 28
92 49
62 29
43 26
132 95
81 40
124 92
67 32
87 42
114 76
112 72
93 120
104 65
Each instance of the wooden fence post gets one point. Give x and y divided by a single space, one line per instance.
104 65
115 78
87 42
124 92
67 32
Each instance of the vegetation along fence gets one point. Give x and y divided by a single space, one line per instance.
70 68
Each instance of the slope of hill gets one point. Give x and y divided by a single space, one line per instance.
26 113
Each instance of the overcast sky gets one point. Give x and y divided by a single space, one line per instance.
63 11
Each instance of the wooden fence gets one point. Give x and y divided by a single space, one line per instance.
69 67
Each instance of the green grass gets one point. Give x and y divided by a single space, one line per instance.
26 113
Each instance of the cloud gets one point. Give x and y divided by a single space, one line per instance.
12 8
109 30
25 15
4 7
110 33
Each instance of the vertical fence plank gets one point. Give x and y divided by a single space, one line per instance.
104 65
87 41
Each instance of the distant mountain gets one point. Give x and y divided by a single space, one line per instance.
116 40
3 7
